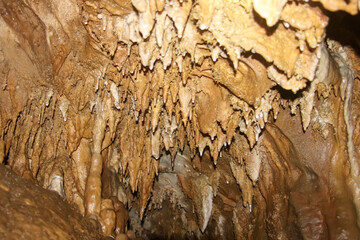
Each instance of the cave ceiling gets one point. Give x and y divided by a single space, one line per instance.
232 118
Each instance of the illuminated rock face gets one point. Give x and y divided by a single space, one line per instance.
179 113
31 212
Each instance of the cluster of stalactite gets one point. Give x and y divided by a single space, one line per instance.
106 88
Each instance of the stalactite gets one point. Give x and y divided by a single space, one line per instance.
121 106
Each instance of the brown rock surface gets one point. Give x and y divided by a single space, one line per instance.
31 212
222 118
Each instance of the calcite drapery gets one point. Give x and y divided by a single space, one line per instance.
114 85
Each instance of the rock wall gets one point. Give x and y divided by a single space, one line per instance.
234 118
31 212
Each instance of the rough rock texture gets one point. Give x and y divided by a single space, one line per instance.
150 113
31 212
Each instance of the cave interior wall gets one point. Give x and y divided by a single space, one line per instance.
187 119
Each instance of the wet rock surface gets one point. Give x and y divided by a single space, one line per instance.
31 212
187 119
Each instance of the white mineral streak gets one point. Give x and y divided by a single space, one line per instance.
64 106
115 94
49 95
57 182
252 164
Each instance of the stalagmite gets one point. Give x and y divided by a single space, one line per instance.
189 119
81 164
107 217
57 182
93 185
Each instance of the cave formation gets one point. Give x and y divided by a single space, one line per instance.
179 119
